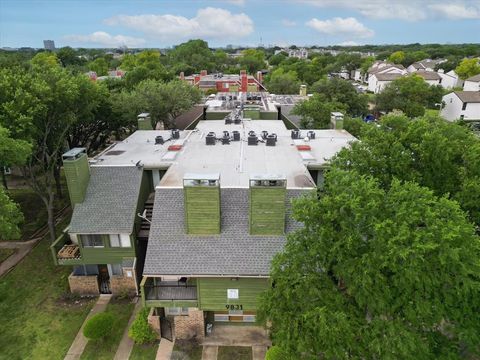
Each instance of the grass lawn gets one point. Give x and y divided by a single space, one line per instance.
106 348
186 349
5 253
37 320
432 112
234 353
144 352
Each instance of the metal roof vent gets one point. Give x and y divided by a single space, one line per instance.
271 140
264 134
210 139
236 135
311 134
175 134
159 140
295 134
252 139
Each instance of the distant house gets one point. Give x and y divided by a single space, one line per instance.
226 82
472 83
449 79
298 53
426 65
461 105
382 73
430 77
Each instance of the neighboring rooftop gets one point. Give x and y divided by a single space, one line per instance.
475 78
110 202
388 76
234 252
468 96
428 75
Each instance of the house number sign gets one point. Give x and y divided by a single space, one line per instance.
234 307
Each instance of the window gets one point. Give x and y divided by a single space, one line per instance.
176 311
232 293
116 269
464 107
461 117
92 241
119 240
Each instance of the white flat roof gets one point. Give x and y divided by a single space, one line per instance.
236 162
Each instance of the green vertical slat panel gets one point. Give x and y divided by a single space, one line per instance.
267 211
77 174
202 210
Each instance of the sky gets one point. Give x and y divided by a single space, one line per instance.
161 24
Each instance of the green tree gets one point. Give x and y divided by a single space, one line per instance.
442 156
342 91
375 273
366 64
140 331
252 60
275 60
410 94
99 65
468 68
68 56
316 111
397 57
281 82
195 53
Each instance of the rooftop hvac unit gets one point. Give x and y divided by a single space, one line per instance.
264 134
271 140
226 134
251 132
228 120
225 140
237 120
252 139
175 134
311 134
210 139
295 134
159 140
236 135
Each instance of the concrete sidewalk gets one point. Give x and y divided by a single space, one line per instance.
164 350
126 344
210 353
78 345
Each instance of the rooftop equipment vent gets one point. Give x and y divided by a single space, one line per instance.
236 135
264 134
271 140
226 134
225 140
115 152
228 120
159 140
210 139
237 120
304 148
311 134
175 134
252 139
295 134
175 148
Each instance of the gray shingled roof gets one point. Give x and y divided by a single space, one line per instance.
110 202
233 252
475 78
468 96
428 75
388 76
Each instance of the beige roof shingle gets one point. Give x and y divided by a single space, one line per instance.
468 96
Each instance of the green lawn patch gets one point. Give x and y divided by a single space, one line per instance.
5 253
234 353
106 348
144 352
187 349
38 319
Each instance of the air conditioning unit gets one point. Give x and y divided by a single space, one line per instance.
159 140
252 139
271 140
236 135
210 139
175 134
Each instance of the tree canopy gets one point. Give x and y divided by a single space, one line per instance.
468 68
382 273
316 111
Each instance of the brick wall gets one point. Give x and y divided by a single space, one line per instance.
83 285
188 327
154 322
121 284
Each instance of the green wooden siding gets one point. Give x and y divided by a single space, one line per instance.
202 210
77 174
269 115
216 115
212 292
107 254
267 211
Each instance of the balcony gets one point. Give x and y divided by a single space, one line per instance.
65 252
169 293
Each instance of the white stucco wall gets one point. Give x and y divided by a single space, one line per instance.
471 86
453 109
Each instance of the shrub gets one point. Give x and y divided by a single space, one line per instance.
276 353
140 331
99 326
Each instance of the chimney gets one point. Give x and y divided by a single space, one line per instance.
77 173
182 75
259 77
243 81
336 120
202 203
196 79
203 73
303 90
144 122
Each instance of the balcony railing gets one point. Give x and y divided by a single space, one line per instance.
65 252
168 290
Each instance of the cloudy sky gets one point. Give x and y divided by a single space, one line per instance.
90 23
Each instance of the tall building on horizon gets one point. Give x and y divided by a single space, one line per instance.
49 45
